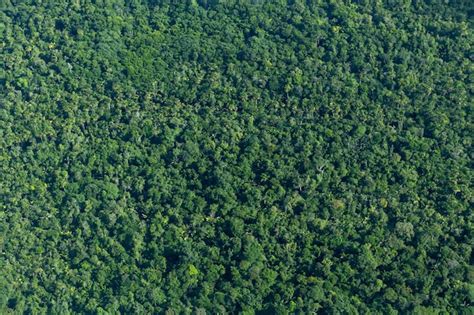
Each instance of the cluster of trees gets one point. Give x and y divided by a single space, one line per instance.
245 157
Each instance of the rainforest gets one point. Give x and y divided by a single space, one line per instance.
236 157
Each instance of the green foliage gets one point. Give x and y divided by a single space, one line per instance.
226 157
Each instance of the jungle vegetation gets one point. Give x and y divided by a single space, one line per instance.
236 157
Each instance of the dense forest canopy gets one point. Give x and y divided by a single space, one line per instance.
225 157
